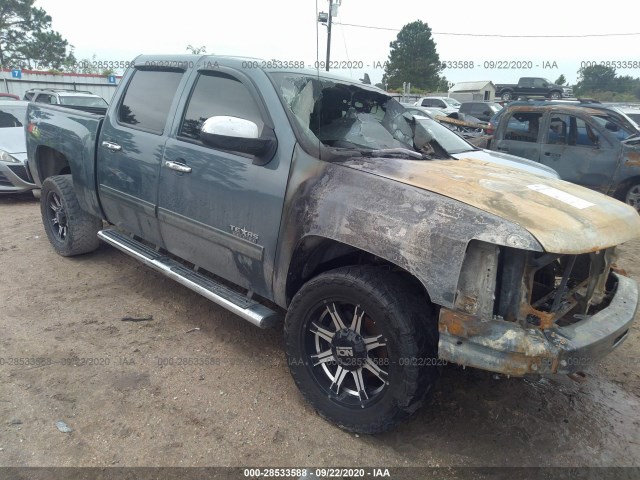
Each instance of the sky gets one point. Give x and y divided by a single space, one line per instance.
287 30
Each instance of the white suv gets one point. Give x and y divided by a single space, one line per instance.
70 98
447 104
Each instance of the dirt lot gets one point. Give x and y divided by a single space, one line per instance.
237 406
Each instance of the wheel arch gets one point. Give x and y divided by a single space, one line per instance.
314 255
622 189
50 162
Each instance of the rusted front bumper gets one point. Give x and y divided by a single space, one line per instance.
508 348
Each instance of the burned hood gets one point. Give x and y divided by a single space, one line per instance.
563 217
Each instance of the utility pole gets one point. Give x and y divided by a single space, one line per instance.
329 33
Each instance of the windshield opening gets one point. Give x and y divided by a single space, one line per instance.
78 101
11 117
611 124
346 116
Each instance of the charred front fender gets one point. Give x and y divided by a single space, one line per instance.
423 232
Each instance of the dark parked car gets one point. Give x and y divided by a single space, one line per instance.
532 87
481 110
595 147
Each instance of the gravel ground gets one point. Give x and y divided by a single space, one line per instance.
131 401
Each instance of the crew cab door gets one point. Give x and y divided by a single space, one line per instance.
539 87
518 134
525 87
579 151
220 209
130 150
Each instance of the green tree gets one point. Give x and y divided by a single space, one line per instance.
413 58
561 80
26 38
596 78
602 83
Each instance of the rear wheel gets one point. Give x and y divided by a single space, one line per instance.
362 347
71 230
632 196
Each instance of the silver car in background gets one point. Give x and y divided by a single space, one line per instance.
14 174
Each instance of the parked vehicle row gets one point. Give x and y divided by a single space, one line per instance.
593 145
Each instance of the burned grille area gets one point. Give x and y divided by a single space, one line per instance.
554 289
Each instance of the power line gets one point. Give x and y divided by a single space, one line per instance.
496 35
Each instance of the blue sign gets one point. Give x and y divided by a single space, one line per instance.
16 73
111 79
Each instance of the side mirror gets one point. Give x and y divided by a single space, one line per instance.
545 85
238 135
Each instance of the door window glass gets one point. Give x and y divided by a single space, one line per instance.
523 127
217 94
148 98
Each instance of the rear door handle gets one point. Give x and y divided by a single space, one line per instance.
177 166
502 149
114 147
554 155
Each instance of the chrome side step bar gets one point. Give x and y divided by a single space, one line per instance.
233 301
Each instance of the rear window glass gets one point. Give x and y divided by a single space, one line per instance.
148 98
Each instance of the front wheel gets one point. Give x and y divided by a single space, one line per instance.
556 95
71 230
362 347
506 96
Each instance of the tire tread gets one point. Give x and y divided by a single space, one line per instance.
395 295
82 227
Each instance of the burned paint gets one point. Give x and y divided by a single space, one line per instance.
494 345
505 192
428 217
511 349
633 158
603 155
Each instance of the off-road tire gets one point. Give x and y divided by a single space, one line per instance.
506 96
629 193
405 320
79 234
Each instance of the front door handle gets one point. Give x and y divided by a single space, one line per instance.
177 166
554 155
502 149
114 147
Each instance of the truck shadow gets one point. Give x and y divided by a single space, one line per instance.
473 417
482 419
10 199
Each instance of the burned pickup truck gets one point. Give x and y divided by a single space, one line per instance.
388 246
